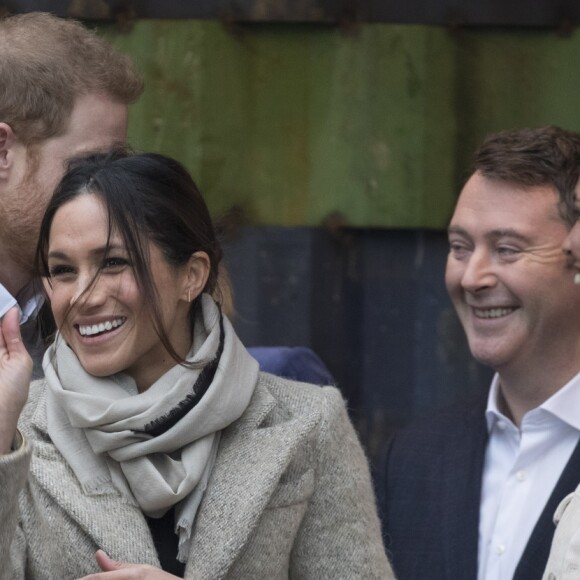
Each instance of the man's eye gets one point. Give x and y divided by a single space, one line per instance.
507 251
457 248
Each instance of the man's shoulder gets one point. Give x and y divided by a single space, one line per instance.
297 363
428 490
468 414
433 457
442 433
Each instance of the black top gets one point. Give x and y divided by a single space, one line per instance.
166 542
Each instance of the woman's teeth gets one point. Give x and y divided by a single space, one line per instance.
102 327
577 278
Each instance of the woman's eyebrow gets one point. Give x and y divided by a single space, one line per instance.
60 255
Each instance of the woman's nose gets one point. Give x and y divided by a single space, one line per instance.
89 291
571 245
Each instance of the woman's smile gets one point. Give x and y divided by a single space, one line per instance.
100 327
98 304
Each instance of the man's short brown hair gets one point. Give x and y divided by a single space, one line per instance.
46 63
534 157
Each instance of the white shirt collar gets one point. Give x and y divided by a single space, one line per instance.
7 301
563 404
28 302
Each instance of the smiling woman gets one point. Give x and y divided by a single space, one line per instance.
154 438
97 303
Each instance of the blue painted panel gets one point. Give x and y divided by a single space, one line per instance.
371 303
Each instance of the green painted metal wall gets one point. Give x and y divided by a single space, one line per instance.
294 123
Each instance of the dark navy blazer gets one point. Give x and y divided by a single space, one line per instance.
429 488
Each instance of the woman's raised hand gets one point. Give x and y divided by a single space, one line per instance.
112 570
15 375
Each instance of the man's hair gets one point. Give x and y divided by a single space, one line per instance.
534 157
47 62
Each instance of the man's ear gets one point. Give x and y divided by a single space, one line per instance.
7 141
198 269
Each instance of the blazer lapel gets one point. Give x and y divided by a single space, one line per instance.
535 556
251 459
462 492
91 512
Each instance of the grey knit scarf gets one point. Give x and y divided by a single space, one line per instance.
157 447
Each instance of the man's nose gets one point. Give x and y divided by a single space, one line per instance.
479 272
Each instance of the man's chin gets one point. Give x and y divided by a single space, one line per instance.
488 353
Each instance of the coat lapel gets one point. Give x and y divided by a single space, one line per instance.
535 556
462 492
91 512
254 453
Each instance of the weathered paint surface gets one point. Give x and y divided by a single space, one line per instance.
294 123
291 124
442 12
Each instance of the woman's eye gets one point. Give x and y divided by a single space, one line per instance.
115 262
59 270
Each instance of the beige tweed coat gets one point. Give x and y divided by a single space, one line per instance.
289 497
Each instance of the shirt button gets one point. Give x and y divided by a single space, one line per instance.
521 476
501 425
500 549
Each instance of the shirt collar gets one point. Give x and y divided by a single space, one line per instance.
563 404
7 301
28 303
492 412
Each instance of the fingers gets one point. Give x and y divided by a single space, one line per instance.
11 337
113 570
107 564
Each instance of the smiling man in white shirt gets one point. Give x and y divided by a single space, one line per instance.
470 492
64 91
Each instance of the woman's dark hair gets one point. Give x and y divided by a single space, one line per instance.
149 198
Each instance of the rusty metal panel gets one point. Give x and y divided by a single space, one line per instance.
307 125
508 79
453 13
302 125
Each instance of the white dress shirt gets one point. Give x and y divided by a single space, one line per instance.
28 302
521 469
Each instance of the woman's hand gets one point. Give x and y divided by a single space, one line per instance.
112 570
15 375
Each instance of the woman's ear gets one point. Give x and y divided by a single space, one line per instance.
198 269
